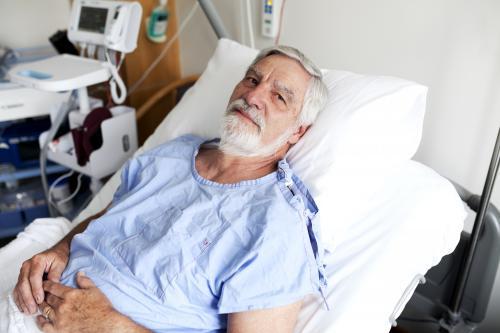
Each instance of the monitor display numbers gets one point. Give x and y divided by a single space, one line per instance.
93 19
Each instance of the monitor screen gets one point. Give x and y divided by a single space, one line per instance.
93 19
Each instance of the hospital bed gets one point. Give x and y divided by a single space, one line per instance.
385 219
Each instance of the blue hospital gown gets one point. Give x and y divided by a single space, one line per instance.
176 252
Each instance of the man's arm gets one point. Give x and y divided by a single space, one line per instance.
276 320
28 291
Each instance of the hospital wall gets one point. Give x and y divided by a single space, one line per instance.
28 23
451 46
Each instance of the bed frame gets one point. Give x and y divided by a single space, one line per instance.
434 300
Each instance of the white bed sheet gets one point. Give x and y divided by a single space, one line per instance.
406 230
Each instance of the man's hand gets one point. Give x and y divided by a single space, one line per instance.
28 291
80 310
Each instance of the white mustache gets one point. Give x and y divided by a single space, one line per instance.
242 106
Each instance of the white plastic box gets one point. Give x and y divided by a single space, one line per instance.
119 136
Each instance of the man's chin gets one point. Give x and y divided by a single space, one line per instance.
243 129
239 147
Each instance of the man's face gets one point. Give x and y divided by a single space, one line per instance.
265 105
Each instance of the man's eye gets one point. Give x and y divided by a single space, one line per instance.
281 98
252 80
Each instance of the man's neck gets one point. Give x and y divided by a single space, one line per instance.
215 165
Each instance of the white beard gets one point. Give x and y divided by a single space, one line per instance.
243 139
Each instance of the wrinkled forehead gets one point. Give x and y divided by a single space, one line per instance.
287 72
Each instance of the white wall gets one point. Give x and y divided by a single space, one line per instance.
452 46
29 23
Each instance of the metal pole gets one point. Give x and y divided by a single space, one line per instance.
214 19
478 224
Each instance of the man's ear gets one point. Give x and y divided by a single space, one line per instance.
295 137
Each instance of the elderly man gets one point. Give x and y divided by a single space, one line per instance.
201 235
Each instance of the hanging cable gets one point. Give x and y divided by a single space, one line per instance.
83 49
250 24
75 192
56 123
276 42
116 82
242 23
71 196
59 179
120 63
91 51
55 183
165 49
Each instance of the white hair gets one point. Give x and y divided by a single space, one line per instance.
316 94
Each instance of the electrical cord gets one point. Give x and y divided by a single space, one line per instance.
83 47
165 49
57 181
61 115
242 23
276 42
120 63
116 82
75 192
69 197
91 51
250 25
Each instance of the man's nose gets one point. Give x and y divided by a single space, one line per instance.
256 97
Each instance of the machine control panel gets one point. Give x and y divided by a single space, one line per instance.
271 17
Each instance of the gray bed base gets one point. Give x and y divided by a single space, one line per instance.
433 301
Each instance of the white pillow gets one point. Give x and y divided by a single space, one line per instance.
366 117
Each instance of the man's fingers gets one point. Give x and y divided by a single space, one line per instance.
55 288
44 324
53 300
47 311
20 304
83 281
24 290
55 273
16 300
26 297
36 278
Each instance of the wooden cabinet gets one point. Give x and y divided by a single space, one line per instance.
167 71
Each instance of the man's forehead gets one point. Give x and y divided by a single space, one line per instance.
279 62
290 75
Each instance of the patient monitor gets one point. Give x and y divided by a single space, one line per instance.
113 24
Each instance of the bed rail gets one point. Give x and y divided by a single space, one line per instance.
165 91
